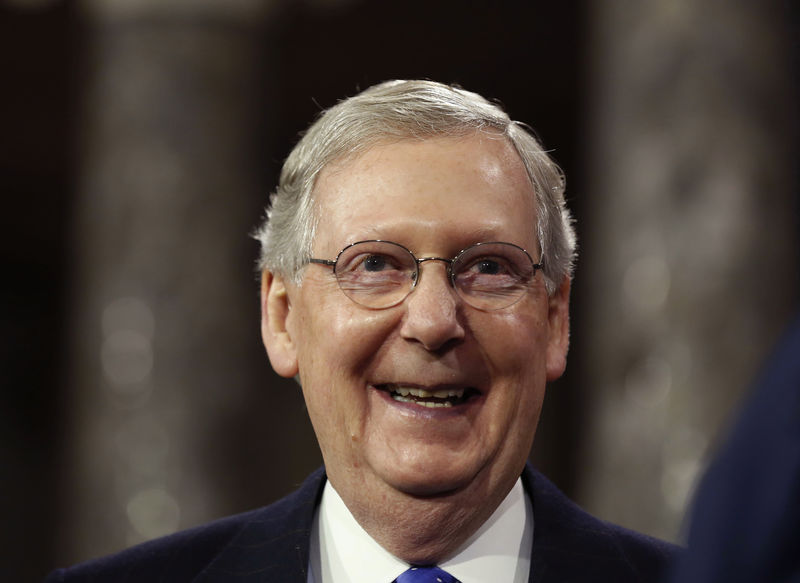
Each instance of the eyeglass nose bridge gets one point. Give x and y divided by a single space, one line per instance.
422 260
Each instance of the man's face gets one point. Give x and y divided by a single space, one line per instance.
434 197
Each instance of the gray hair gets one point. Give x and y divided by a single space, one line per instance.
398 110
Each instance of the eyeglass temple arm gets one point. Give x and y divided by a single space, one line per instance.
328 262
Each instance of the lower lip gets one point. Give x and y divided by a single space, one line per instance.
428 412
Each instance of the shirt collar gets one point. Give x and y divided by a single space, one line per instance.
499 551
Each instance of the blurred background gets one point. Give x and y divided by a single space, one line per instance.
140 140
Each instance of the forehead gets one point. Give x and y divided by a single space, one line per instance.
474 187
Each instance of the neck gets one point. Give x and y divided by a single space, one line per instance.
421 530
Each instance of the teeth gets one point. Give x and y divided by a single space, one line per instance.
431 404
444 397
424 393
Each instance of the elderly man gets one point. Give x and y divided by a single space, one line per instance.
416 266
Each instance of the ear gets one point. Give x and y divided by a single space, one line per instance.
275 312
558 331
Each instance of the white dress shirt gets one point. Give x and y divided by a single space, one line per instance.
500 551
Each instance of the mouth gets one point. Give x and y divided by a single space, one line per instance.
432 398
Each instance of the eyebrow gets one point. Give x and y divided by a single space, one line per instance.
478 235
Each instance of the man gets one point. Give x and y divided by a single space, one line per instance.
416 272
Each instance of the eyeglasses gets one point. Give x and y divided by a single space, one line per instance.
381 274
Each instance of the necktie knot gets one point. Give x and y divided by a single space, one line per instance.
426 574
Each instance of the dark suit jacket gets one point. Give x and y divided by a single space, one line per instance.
271 545
745 526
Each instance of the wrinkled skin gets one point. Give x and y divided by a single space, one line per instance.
410 473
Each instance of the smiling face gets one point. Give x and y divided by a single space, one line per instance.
364 371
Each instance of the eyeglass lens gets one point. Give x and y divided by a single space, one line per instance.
380 274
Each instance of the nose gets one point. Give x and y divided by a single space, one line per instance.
432 315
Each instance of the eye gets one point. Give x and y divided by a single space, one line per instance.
492 265
492 270
375 260
487 266
374 263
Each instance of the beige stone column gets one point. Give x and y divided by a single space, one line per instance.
689 257
164 334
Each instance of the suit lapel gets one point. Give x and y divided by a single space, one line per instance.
273 547
570 545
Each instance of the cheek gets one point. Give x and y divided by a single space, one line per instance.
329 329
515 348
338 349
356 337
338 343
515 345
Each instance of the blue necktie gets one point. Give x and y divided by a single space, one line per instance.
428 574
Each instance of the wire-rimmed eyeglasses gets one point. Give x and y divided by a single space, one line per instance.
381 274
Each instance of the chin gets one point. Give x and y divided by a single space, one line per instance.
430 484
